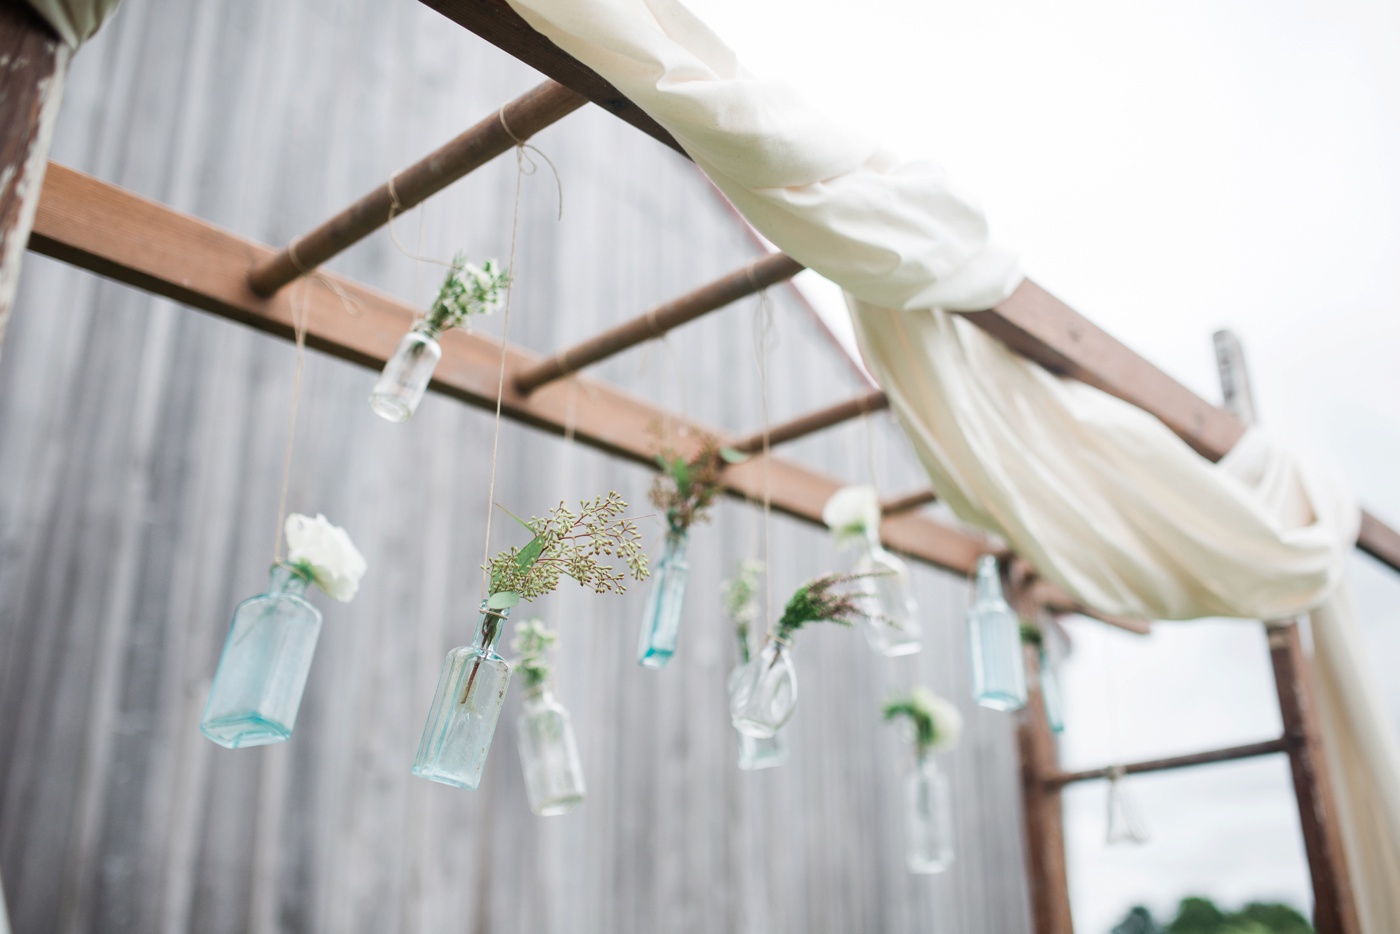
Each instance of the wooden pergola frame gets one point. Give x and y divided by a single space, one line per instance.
102 228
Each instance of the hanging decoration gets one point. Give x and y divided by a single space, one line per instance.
468 290
267 656
472 686
765 692
740 597
684 490
1124 823
994 639
544 732
1045 673
891 626
935 725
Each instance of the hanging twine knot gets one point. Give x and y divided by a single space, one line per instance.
352 306
526 164
1115 772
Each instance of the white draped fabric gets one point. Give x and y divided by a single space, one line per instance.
75 21
1101 497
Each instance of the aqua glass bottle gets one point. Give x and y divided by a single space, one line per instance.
262 672
765 693
994 638
928 817
892 624
465 708
1050 694
549 755
406 374
662 625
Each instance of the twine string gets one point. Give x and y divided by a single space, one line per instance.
763 333
352 306
300 313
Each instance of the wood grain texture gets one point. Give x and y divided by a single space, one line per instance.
140 455
33 64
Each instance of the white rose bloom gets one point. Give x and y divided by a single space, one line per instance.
336 565
853 511
947 721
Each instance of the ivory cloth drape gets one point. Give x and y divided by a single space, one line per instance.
1101 497
75 21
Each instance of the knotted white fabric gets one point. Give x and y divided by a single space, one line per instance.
75 21
1100 496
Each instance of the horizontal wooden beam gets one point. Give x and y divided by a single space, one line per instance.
525 116
814 422
115 233
907 502
1247 751
755 277
498 24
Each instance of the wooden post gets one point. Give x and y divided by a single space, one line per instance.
33 64
1334 910
1043 811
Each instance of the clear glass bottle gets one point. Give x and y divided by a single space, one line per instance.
465 708
765 693
406 375
262 672
1050 694
929 817
994 638
549 755
761 753
892 626
662 625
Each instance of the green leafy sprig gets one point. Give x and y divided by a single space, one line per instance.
820 600
936 722
1031 635
741 603
468 290
532 641
685 490
572 544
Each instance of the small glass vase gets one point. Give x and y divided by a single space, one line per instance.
892 624
765 693
406 375
662 626
1050 694
756 753
549 755
928 817
465 708
994 638
262 672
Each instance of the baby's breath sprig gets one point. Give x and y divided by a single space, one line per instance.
468 290
819 600
741 603
572 544
532 641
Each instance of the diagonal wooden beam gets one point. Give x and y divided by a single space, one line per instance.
525 116
813 422
755 277
1230 754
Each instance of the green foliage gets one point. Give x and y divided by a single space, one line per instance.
819 600
532 641
1031 635
467 290
918 707
685 490
572 544
741 603
1196 915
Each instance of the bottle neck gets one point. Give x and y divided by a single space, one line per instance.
989 580
675 543
285 579
431 326
489 629
860 543
540 695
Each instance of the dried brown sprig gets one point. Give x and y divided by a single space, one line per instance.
685 490
571 544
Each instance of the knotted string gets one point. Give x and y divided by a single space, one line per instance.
352 306
300 313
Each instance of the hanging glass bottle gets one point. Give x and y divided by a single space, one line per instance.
761 753
1050 694
1124 824
406 375
891 625
765 693
549 754
262 672
465 708
662 624
994 639
928 817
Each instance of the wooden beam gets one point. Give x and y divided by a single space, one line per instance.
1247 751
498 24
117 234
33 66
753 278
908 502
1334 911
526 116
814 422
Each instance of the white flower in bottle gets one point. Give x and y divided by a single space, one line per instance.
325 551
947 720
853 512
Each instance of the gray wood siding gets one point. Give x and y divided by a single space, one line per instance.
140 456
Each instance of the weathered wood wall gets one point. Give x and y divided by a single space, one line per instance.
140 453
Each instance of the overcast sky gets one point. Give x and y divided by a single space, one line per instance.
1167 168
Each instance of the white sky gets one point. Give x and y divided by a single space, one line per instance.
1167 168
